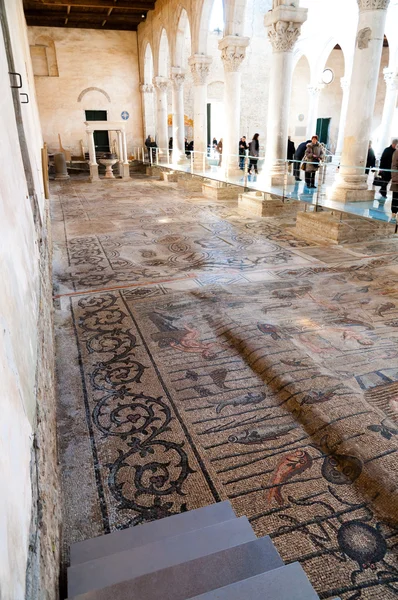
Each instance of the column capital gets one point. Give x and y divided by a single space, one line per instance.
345 83
373 4
146 88
284 25
315 90
200 67
233 51
391 79
177 77
161 83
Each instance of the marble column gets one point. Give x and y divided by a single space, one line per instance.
148 109
126 166
390 104
351 182
284 27
92 157
161 86
200 68
177 79
314 92
345 86
233 52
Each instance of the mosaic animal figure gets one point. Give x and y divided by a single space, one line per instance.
262 434
289 466
270 330
247 399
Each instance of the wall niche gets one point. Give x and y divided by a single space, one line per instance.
44 57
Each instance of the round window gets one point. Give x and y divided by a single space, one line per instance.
327 76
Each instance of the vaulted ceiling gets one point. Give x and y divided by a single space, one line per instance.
90 14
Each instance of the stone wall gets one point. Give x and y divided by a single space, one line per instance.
29 503
97 70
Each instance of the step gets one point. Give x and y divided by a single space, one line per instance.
129 564
197 576
286 583
154 531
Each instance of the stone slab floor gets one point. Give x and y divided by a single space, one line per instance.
204 355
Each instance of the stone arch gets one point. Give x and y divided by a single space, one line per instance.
93 89
215 90
234 13
183 28
299 103
44 57
163 54
148 64
203 24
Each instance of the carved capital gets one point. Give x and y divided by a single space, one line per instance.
283 35
391 79
146 88
345 83
200 68
373 4
233 51
177 78
315 90
161 84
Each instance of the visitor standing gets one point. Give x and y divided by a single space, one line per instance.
254 153
385 167
298 157
219 150
371 159
312 157
153 146
394 184
242 152
148 145
291 149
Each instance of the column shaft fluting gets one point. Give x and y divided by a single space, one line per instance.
351 182
233 51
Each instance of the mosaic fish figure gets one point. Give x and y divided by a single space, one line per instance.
380 310
219 376
249 398
289 466
268 329
295 363
319 397
262 434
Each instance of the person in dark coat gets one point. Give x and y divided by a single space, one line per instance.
371 160
394 185
313 156
242 152
291 149
254 153
385 167
298 157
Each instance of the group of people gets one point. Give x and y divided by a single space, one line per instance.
307 157
388 171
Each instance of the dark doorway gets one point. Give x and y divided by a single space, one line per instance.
101 138
322 130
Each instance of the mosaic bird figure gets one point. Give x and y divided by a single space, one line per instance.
289 466
270 330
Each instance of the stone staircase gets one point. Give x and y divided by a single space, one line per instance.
205 554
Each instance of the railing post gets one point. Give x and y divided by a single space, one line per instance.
246 166
150 150
192 162
157 156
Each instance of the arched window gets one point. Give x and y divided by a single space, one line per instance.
217 17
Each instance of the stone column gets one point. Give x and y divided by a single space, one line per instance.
345 86
161 85
284 26
177 79
126 167
390 104
148 109
233 51
92 157
314 92
200 68
351 183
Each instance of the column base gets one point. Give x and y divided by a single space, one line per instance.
336 228
261 204
280 180
61 177
221 192
341 194
125 171
190 184
94 173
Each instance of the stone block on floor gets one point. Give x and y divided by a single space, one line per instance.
221 191
336 227
153 171
261 204
169 176
190 183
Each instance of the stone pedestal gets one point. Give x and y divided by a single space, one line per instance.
342 194
352 180
233 51
169 176
284 27
61 172
261 204
194 184
153 171
108 163
200 68
221 191
336 228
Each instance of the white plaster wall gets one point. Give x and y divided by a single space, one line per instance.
331 97
19 303
89 58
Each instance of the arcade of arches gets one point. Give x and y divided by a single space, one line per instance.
161 350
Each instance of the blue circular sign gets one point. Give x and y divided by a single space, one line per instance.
125 115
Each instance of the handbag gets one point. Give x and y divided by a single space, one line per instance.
303 166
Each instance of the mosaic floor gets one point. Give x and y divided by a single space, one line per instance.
204 355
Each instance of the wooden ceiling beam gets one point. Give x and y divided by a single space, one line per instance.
80 25
78 16
140 5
